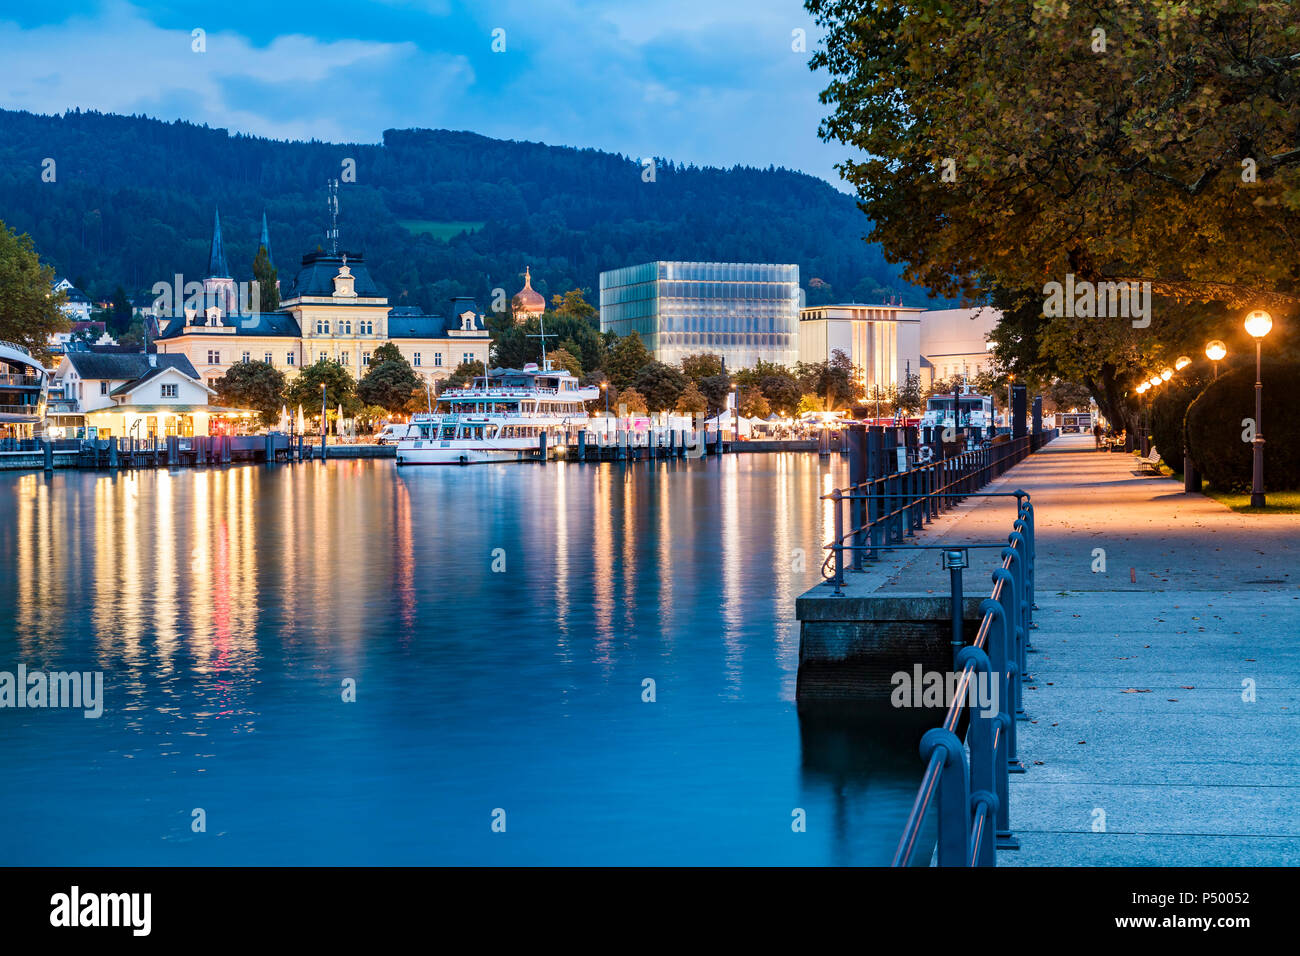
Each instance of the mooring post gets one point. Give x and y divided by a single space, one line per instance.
112 453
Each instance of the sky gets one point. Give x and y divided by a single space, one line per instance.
713 82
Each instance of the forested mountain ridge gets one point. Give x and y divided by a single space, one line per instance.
131 203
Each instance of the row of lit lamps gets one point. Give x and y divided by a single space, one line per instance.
1258 323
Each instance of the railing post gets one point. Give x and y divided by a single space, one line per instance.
997 651
857 507
1014 613
983 759
954 795
1010 609
837 545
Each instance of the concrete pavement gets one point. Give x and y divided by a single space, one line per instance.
1165 708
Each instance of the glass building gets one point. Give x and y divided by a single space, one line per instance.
740 310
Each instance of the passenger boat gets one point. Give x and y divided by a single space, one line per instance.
500 416
976 411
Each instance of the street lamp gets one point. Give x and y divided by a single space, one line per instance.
1215 351
1182 363
1258 324
1155 380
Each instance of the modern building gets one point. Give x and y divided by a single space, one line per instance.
882 341
955 341
23 390
742 311
332 308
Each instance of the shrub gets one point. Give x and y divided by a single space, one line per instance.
1215 430
1169 412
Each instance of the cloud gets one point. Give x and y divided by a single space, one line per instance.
710 82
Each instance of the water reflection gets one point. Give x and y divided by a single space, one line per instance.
227 606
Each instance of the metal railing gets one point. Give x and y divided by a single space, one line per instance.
888 509
971 790
884 512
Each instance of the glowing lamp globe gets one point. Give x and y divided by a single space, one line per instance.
1215 351
1182 363
1258 323
1166 374
1154 380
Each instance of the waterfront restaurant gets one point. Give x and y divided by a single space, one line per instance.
22 392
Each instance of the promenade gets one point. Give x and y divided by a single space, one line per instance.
1165 702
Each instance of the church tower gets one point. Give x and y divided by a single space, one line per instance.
219 293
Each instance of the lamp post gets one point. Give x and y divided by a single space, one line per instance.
1258 324
323 406
1215 351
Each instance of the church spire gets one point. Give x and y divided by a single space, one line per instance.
265 241
217 267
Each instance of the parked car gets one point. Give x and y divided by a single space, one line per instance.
392 434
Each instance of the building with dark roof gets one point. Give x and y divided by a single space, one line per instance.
330 309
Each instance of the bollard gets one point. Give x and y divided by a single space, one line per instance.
270 447
582 445
112 453
541 446
49 456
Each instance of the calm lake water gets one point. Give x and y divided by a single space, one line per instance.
226 608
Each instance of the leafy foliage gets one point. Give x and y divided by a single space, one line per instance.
389 381
28 313
1215 432
661 385
256 385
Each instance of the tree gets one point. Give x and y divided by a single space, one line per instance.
265 274
810 403
627 358
834 381
701 365
119 317
389 381
1148 141
256 385
661 385
563 358
305 389
463 374
908 395
573 305
1062 396
633 400
753 404
692 401
715 389
29 312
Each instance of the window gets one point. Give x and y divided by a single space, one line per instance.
437 358
267 358
416 359
247 357
322 327
467 356
289 358
214 356
365 358
345 328
345 358
366 327
169 390
103 388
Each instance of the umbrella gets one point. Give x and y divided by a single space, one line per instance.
283 424
338 428
302 424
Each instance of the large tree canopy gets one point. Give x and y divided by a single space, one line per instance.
1149 141
29 310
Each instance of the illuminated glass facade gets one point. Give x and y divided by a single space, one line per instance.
740 310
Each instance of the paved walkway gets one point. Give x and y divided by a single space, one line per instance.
1140 747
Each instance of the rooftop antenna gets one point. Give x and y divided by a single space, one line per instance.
543 335
332 203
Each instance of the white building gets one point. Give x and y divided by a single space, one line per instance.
77 306
134 395
955 341
883 341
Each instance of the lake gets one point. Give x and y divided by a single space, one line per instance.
497 626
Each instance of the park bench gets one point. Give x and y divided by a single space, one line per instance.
1150 463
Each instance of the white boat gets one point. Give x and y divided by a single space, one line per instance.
976 411
500 416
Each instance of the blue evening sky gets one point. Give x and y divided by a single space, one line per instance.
714 82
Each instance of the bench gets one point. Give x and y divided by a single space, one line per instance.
1150 463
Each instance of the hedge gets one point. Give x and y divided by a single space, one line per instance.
1215 431
1169 411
